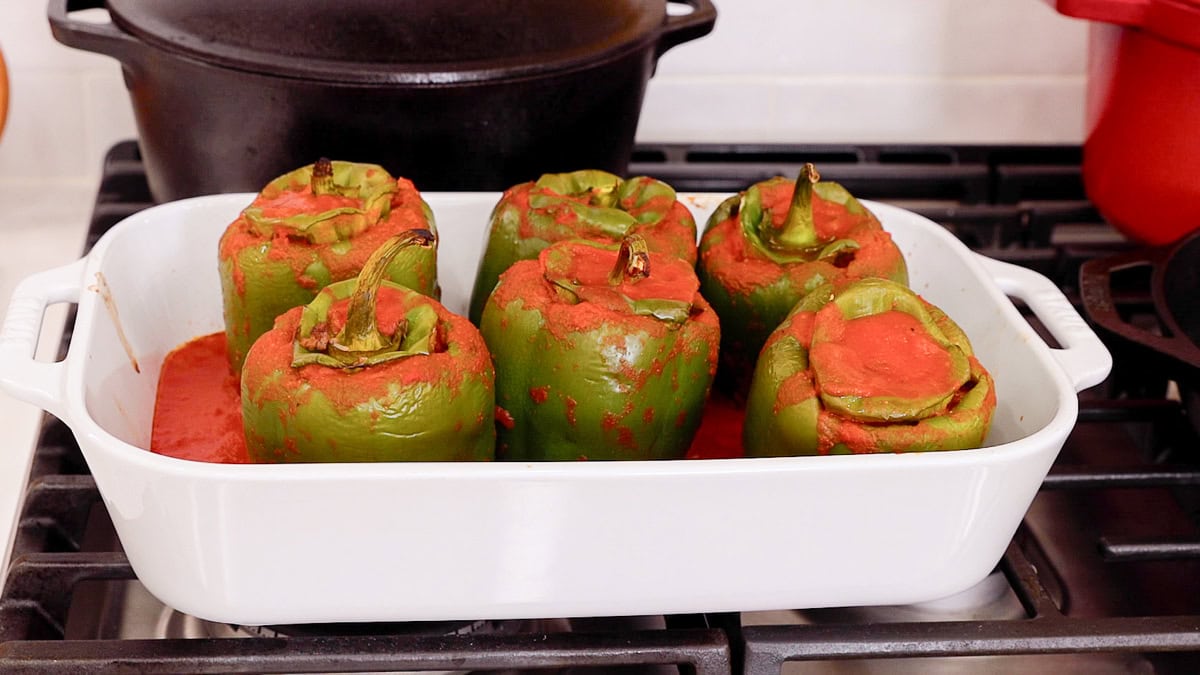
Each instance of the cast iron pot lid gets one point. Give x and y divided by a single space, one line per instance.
397 41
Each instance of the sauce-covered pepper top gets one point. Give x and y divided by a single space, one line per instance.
600 353
312 227
867 366
591 205
765 249
370 371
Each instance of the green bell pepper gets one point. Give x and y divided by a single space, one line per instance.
765 249
370 371
867 366
600 353
309 228
592 205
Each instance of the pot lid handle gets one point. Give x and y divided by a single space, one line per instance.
1176 21
682 25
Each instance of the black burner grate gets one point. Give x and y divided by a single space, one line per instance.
1107 562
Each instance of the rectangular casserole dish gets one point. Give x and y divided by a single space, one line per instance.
271 544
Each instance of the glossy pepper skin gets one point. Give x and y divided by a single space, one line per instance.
309 228
764 250
369 371
592 205
600 353
867 366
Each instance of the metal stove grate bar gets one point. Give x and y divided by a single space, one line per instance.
703 652
1045 630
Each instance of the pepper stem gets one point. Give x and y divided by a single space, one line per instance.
633 261
321 182
799 229
360 336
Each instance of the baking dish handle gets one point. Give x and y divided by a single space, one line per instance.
1083 356
21 375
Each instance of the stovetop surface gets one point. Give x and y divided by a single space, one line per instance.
1103 575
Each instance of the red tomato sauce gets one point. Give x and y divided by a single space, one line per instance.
886 354
720 432
198 409
669 279
291 202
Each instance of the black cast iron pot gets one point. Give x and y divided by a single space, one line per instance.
454 95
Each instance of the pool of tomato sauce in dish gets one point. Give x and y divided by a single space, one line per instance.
198 411
720 432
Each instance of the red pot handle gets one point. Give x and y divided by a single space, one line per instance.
1121 12
681 28
1174 20
102 38
1096 292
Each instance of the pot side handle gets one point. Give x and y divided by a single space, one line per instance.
1121 12
40 383
101 38
681 28
1083 356
1175 20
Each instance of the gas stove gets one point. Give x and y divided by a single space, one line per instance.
1102 576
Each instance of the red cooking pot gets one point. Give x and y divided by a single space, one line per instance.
1141 154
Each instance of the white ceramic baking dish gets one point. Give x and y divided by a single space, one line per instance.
372 542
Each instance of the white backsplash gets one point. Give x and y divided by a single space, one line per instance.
803 71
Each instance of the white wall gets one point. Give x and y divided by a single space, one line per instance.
908 71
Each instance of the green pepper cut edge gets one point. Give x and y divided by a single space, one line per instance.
632 265
797 240
601 205
872 296
371 184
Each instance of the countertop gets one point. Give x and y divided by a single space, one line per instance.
41 227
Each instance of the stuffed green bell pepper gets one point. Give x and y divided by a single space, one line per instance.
309 228
592 205
867 366
600 353
370 371
765 249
